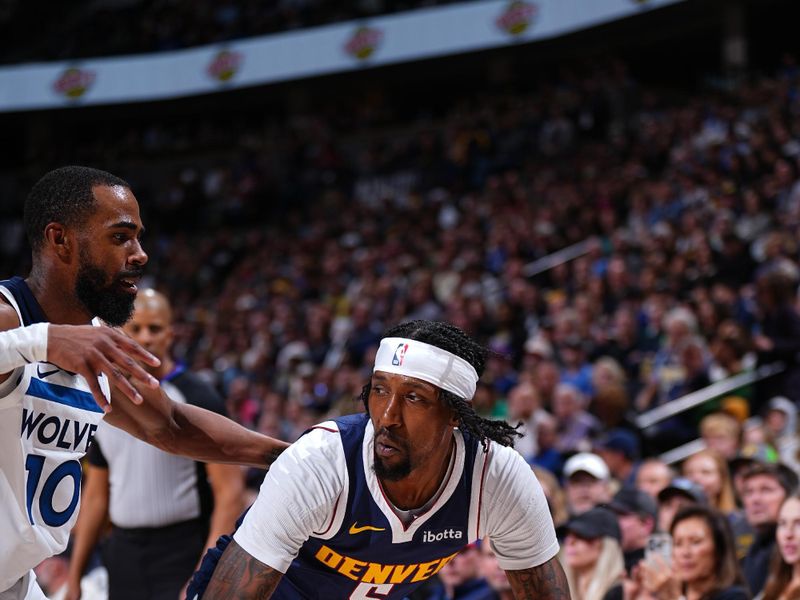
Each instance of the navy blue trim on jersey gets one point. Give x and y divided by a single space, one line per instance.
362 557
29 307
365 559
63 395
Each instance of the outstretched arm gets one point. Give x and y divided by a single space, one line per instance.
191 431
239 576
81 349
545 582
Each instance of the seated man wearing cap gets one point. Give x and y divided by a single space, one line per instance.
636 513
372 505
679 493
587 482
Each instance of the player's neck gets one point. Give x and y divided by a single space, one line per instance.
56 299
419 486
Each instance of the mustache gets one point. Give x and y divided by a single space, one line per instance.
384 435
135 272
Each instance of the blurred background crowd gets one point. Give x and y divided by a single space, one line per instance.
289 239
70 31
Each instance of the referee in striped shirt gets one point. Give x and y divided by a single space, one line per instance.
165 510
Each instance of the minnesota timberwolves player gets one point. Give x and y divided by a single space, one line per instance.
60 367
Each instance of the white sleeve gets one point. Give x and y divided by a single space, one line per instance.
297 498
23 345
518 520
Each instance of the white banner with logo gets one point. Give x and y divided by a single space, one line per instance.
412 35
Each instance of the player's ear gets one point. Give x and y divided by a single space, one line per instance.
58 238
453 418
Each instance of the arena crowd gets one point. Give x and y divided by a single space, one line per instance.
286 263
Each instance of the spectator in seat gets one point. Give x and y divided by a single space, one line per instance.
703 565
619 449
783 580
592 557
766 486
653 476
637 514
576 425
524 405
681 492
710 470
587 482
723 433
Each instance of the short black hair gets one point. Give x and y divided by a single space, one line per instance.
63 195
783 474
450 338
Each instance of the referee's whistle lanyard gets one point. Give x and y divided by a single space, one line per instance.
179 368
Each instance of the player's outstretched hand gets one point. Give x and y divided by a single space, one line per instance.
89 351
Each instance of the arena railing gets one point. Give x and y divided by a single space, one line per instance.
701 396
559 257
697 398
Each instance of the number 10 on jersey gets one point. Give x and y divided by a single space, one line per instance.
45 491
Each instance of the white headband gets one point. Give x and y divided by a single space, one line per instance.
429 363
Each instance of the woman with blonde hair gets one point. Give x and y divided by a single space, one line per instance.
592 555
709 470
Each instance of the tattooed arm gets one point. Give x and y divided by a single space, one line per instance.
192 431
545 582
239 576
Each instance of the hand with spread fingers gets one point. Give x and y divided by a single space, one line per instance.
89 351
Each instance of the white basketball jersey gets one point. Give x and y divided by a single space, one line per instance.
47 420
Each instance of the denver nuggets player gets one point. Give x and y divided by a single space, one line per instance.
58 366
370 506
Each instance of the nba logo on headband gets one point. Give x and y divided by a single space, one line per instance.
428 363
399 355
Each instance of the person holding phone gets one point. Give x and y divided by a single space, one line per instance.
703 564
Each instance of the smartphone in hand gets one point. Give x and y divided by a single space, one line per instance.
658 544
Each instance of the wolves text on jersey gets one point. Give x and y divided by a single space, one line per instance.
68 434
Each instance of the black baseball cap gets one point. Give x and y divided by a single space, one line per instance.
594 523
630 500
681 486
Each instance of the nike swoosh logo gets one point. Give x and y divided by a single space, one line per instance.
354 529
43 374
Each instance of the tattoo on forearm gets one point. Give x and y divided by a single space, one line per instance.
273 455
239 576
544 582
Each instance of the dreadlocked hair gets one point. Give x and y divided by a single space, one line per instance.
452 339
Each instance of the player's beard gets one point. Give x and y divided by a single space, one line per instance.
102 298
395 472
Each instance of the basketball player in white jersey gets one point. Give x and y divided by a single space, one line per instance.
62 369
